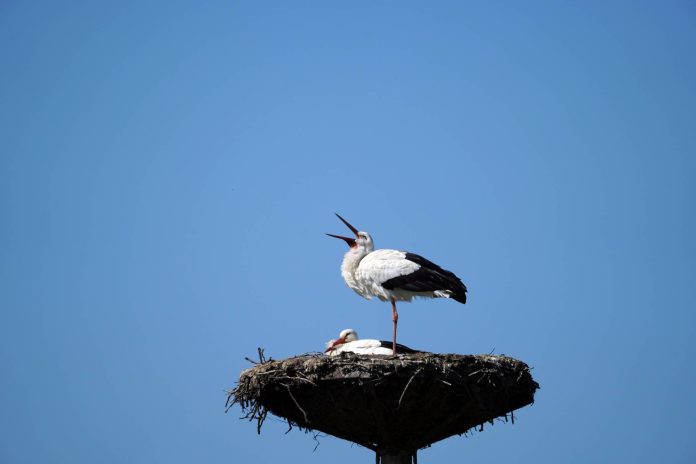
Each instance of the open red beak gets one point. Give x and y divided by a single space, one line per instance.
348 240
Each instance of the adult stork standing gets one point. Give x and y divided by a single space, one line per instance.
393 275
349 342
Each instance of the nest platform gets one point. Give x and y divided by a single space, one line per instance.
390 404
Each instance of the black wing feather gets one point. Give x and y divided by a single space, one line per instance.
400 349
428 278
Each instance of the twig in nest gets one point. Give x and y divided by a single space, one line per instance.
315 435
406 387
262 358
297 404
520 376
230 401
302 379
259 421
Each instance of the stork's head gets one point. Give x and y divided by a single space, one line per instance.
346 335
362 243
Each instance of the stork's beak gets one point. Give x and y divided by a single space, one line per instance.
348 240
334 343
353 229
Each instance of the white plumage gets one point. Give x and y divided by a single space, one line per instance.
367 272
393 275
348 342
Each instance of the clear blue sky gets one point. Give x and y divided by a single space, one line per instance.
168 170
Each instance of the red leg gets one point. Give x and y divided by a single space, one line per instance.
395 319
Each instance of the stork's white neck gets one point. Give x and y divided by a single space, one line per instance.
350 264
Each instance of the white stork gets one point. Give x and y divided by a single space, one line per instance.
348 341
393 275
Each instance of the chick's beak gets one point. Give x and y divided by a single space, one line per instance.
335 343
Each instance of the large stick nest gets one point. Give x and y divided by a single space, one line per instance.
386 403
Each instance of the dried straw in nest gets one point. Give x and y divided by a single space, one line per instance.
385 403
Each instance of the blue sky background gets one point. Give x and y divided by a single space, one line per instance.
168 170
